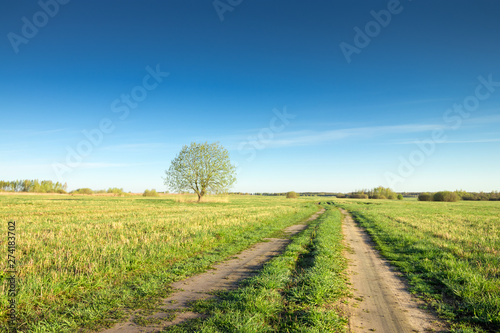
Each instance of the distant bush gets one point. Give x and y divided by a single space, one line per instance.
425 197
469 196
292 195
445 196
482 196
400 197
83 191
358 196
116 191
375 193
151 193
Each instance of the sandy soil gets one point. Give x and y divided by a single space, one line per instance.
224 276
381 301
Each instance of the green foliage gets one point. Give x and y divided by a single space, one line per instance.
201 168
375 193
84 190
292 195
400 197
358 195
481 196
152 193
425 197
34 186
460 195
445 196
382 193
116 191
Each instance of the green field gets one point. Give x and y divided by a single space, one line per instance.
82 260
450 253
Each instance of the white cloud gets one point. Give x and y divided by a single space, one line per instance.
484 120
306 138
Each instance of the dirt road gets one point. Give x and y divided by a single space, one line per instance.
381 301
223 276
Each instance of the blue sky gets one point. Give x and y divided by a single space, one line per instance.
307 96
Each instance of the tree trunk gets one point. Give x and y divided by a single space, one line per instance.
201 194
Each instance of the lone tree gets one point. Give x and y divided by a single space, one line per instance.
202 168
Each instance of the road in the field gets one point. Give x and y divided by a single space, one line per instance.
223 276
381 301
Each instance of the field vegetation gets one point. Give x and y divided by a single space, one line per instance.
82 261
449 251
298 291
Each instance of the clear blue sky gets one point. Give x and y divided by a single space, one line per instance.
353 105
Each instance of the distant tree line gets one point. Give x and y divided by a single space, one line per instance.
376 193
410 194
112 190
271 194
84 190
459 195
33 186
302 194
322 194
481 196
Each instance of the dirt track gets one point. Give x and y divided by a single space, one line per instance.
223 276
381 301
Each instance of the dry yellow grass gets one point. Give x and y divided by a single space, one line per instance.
80 257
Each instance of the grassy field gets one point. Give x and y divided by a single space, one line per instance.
450 252
298 291
83 260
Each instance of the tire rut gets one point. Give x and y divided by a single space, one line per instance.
381 301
